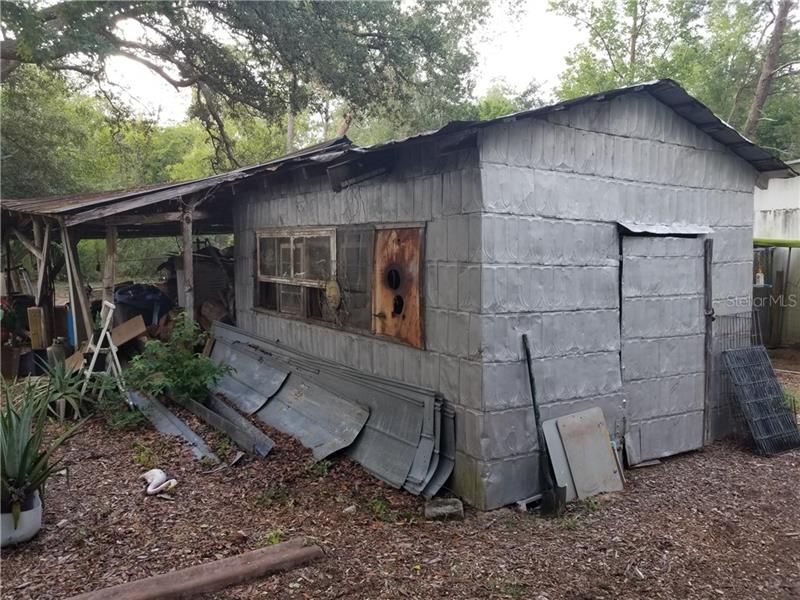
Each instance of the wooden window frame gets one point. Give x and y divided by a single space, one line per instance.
331 232
292 233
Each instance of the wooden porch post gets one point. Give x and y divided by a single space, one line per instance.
78 301
708 301
110 267
188 260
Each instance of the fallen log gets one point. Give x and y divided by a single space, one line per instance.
213 576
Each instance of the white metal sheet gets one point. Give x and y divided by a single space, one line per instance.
588 450
559 458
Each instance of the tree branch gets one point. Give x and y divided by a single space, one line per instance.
176 83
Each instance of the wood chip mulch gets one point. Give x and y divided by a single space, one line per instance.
721 523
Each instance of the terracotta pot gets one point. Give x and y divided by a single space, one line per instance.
30 522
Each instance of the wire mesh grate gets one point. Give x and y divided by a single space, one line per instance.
761 399
737 330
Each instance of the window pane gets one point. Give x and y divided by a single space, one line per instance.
268 256
291 299
297 257
353 259
317 258
267 295
318 307
284 257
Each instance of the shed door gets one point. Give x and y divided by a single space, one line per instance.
662 345
396 305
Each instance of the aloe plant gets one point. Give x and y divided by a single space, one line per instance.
63 386
25 460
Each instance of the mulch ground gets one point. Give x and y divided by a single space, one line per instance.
721 523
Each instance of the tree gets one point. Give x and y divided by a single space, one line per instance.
265 56
718 50
501 100
769 68
44 134
57 140
629 40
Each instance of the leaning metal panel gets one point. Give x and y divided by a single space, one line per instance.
772 425
738 330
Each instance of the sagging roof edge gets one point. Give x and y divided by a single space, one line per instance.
340 151
62 206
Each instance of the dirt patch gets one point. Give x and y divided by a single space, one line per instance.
722 523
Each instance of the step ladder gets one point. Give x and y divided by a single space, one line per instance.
104 345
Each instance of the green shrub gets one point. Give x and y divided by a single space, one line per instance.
175 367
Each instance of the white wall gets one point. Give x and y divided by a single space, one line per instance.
777 210
777 217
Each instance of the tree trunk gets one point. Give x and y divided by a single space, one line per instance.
632 46
768 68
345 126
290 130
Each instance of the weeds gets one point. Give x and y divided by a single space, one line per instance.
379 508
570 522
114 410
223 446
409 516
792 400
144 456
320 468
275 496
271 538
590 504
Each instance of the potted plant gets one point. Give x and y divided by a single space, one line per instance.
25 461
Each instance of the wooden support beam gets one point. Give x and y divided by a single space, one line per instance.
27 242
188 262
164 217
110 267
213 576
41 275
78 299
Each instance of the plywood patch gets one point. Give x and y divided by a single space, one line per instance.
396 305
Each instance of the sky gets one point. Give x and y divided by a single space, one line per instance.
514 49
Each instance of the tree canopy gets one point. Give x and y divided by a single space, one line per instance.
731 54
263 58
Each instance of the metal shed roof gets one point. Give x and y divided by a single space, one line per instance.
76 209
70 207
666 91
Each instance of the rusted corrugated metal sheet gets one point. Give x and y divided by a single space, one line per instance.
408 440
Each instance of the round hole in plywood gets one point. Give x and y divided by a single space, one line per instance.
393 278
397 305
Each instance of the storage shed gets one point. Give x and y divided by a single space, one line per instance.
582 225
610 229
